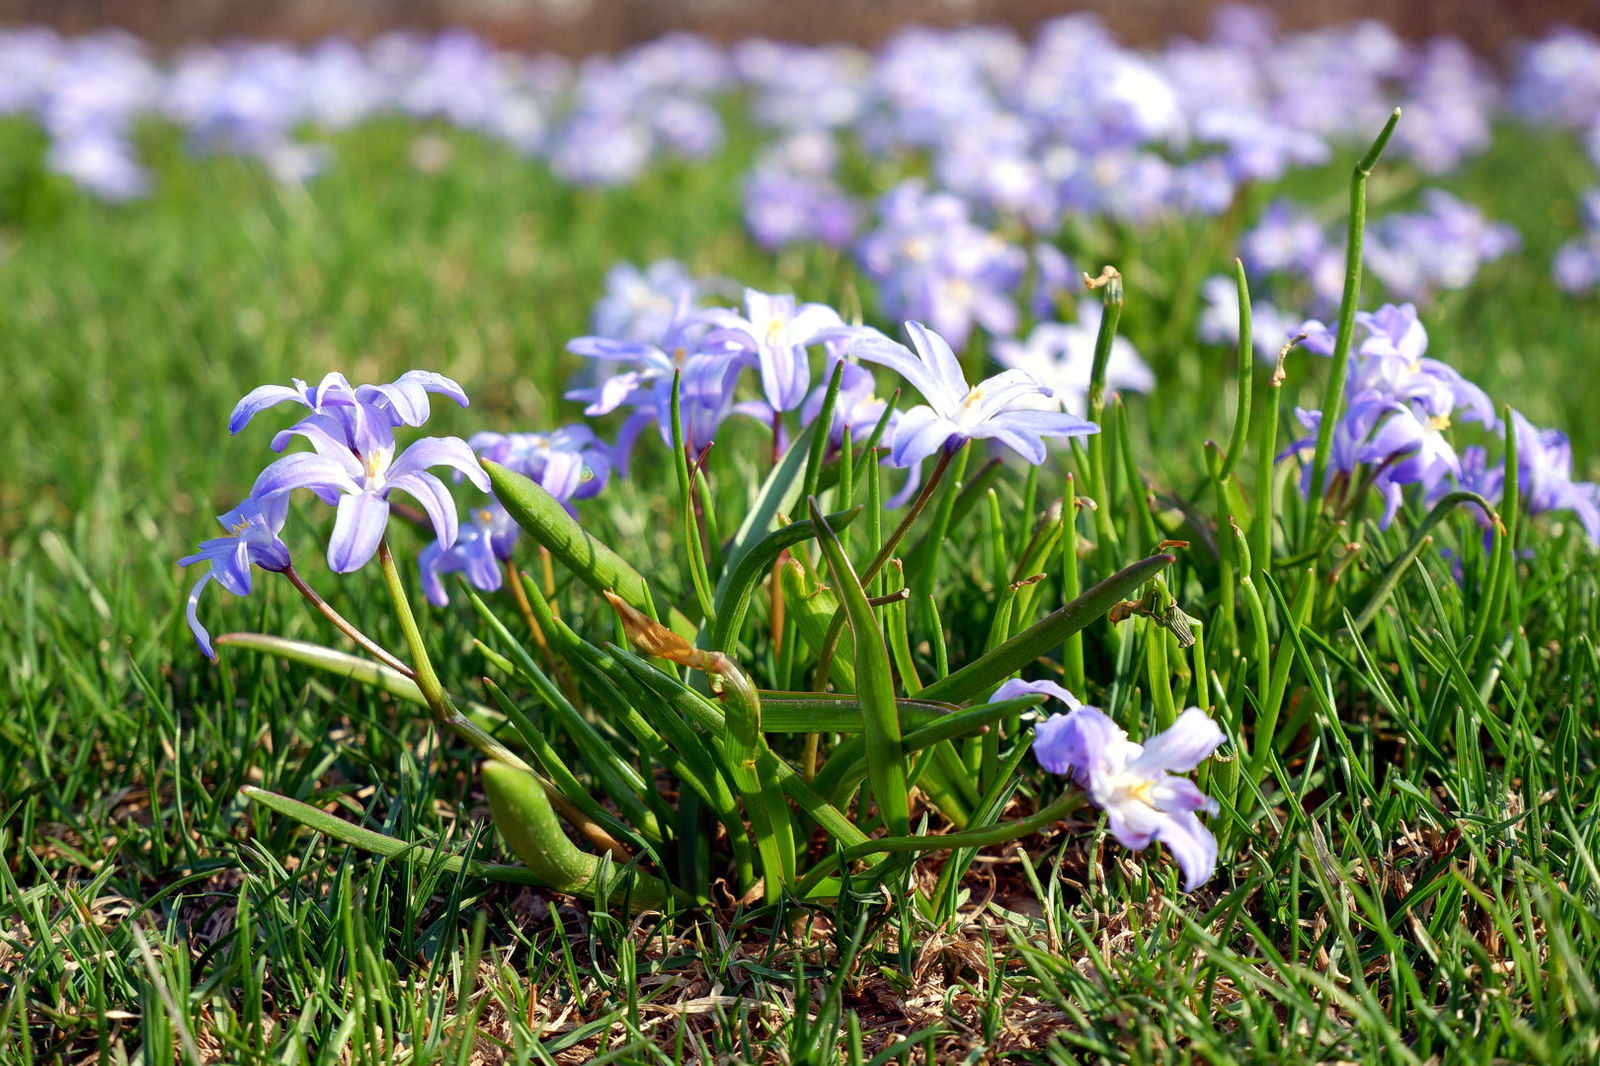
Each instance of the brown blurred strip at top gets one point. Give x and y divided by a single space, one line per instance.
578 27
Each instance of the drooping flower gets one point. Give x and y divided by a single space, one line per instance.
251 538
1001 408
1136 784
482 544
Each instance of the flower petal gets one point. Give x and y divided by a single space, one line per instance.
1192 845
1180 747
1018 687
1075 742
939 358
920 432
305 470
201 637
435 499
259 399
357 529
428 452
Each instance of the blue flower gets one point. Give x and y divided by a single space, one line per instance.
356 470
1136 784
251 538
1000 408
481 546
775 332
570 463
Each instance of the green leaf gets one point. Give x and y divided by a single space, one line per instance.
886 768
739 584
593 562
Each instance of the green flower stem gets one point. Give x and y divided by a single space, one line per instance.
1110 285
344 625
1073 674
1159 675
989 836
1333 395
933 540
691 524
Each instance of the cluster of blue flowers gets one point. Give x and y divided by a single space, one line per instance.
352 466
1018 134
1399 405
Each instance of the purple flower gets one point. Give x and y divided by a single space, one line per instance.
252 537
998 408
931 262
1544 475
1135 784
481 545
642 305
775 333
356 471
570 464
857 406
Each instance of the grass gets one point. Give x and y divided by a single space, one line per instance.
1417 882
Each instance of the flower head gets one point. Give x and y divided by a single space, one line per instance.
775 332
251 538
1135 784
570 463
481 545
1000 408
354 465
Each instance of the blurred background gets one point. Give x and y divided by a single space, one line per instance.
575 27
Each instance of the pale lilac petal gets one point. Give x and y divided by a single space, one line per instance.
1170 793
1180 747
1027 445
435 499
429 381
358 526
306 470
328 437
231 566
1134 824
429 562
936 353
1192 845
201 636
1074 742
897 357
1004 389
811 321
428 452
259 399
1018 687
920 433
